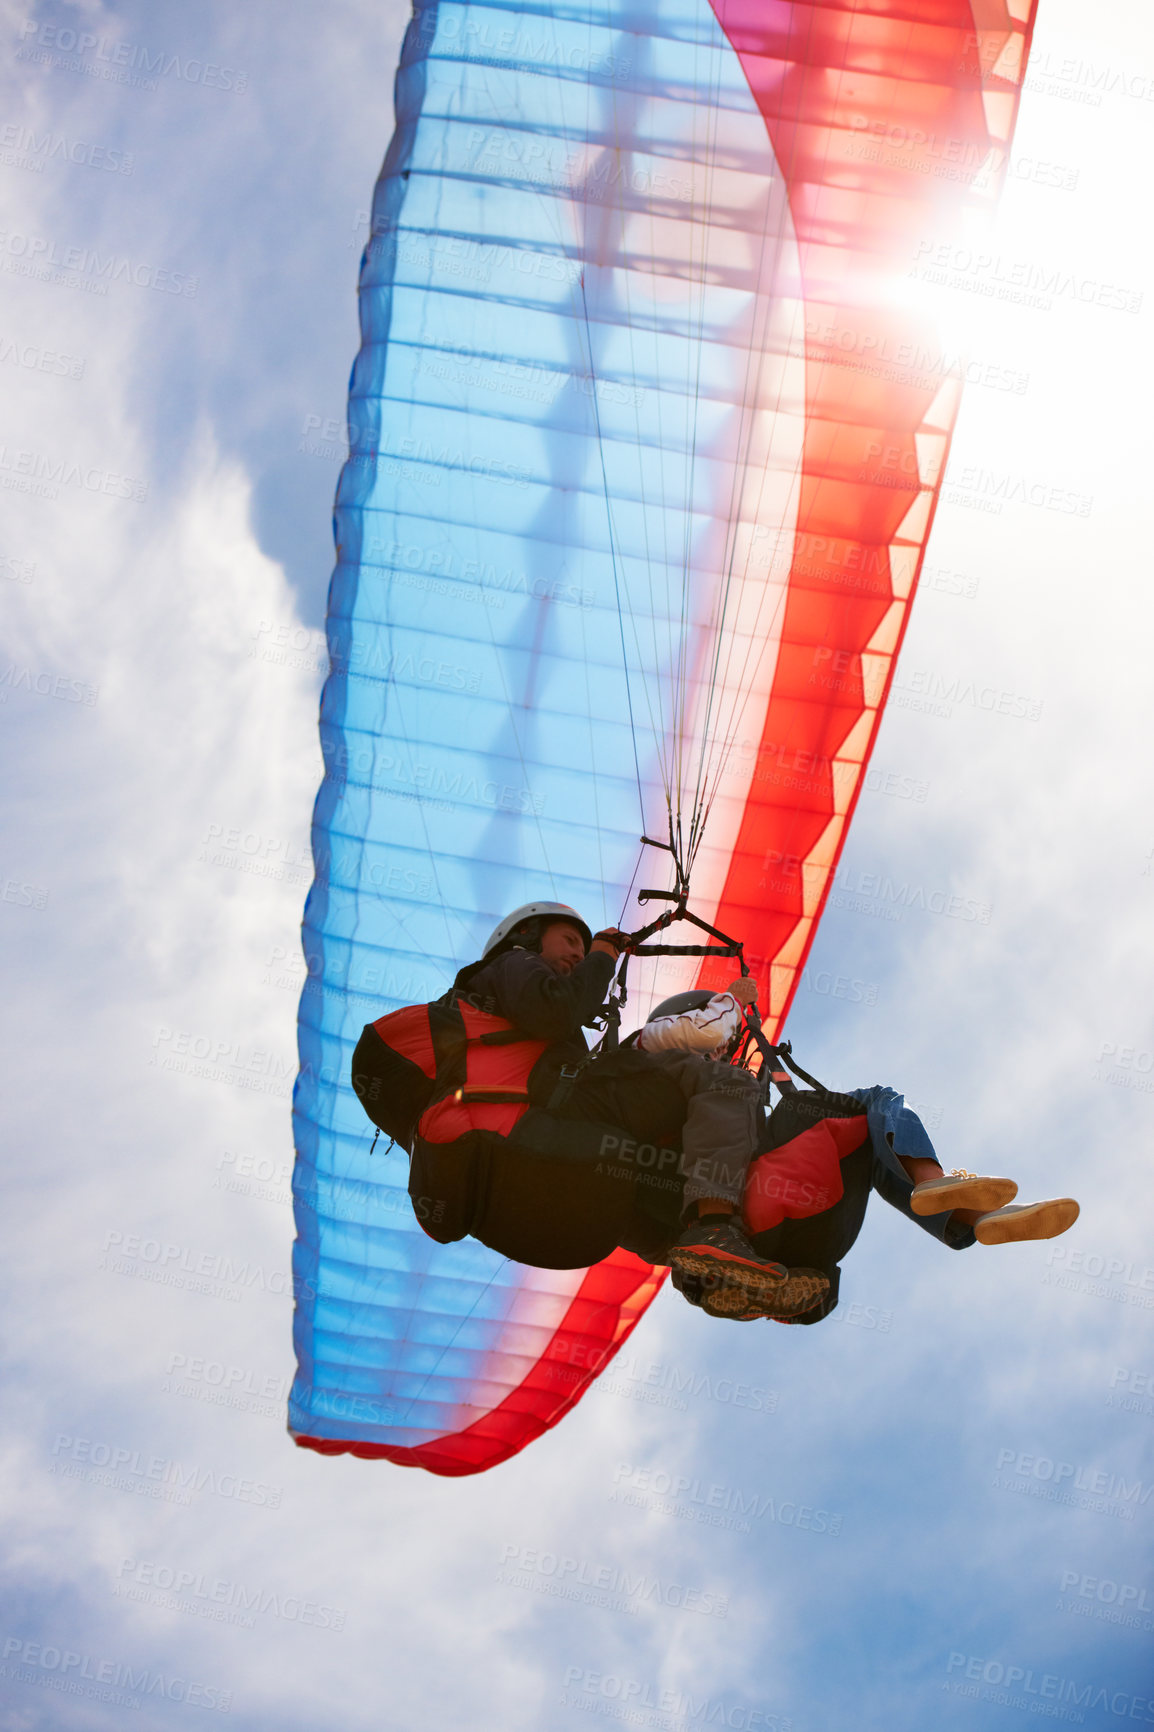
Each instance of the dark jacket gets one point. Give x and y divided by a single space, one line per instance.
548 1006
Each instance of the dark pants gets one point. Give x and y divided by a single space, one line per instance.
627 1090
712 1109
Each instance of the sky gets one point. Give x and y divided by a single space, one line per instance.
935 1508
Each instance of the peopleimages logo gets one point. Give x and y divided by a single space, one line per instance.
594 1691
1060 1481
123 1468
1124 1603
221 1060
1104 1277
606 1585
120 62
77 1674
220 1385
173 1265
1065 1694
40 256
664 1383
144 1579
715 1505
43 473
1137 1387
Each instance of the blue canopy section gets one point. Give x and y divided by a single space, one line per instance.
546 418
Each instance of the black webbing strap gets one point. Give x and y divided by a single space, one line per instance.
785 1053
558 1100
771 1061
570 1075
774 1057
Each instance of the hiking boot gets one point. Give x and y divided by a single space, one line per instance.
689 1286
1027 1221
801 1290
721 1256
961 1190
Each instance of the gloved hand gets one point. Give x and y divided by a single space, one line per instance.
743 989
610 942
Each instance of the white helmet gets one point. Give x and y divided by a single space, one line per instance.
534 917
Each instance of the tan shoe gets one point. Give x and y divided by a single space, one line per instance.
961 1191
1027 1221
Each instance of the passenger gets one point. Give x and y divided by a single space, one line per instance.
959 1208
692 1036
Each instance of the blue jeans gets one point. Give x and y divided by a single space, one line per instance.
896 1130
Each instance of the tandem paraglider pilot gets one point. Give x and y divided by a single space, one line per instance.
664 1145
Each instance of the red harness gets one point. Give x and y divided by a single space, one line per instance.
801 1177
457 1069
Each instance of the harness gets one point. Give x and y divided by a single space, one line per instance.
443 1069
456 1087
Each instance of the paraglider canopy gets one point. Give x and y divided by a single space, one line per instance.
632 520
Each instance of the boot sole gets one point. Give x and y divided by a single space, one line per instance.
799 1292
964 1194
755 1278
1033 1221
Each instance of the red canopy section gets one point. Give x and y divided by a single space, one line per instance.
881 117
